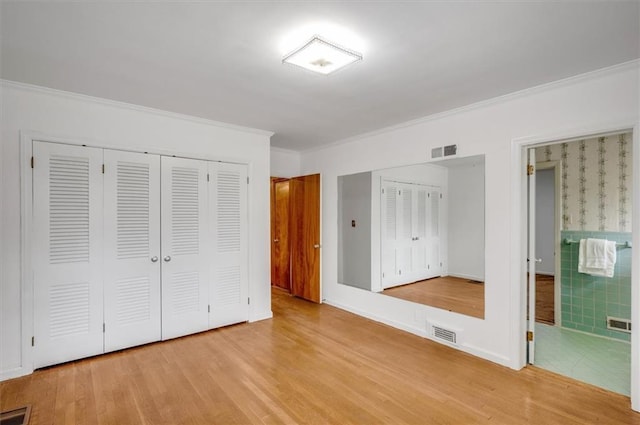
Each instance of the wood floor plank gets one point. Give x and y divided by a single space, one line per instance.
311 364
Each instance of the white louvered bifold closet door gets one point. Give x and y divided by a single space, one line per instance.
405 234
228 218
389 233
434 219
67 252
420 249
132 249
184 254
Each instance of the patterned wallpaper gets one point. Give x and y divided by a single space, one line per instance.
596 182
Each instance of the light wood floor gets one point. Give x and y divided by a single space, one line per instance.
448 293
545 299
311 364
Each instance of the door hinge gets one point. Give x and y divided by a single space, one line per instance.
440 264
207 176
529 336
382 274
247 180
102 168
428 266
383 190
209 308
33 341
104 327
441 196
248 300
32 162
530 170
399 272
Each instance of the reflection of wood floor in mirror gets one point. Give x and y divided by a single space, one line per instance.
448 293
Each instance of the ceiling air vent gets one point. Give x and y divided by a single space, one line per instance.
618 324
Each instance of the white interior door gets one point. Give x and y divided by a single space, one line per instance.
532 256
67 252
132 249
229 289
184 256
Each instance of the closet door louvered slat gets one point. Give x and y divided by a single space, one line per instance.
228 218
132 249
67 252
184 253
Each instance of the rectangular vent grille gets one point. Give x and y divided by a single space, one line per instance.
444 334
69 210
228 211
133 210
443 151
618 324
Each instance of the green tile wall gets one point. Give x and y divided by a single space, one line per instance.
588 300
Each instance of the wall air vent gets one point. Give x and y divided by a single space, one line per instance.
444 151
618 324
443 334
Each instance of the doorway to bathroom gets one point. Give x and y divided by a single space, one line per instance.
579 192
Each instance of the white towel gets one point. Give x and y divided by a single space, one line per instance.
597 257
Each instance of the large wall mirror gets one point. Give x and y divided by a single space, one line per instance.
416 233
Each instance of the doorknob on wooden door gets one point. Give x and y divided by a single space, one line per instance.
276 240
316 246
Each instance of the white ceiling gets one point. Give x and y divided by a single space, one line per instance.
222 60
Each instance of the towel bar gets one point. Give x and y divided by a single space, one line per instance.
625 244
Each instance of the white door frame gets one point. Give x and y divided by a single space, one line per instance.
518 246
556 166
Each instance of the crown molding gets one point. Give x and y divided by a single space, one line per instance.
130 106
591 75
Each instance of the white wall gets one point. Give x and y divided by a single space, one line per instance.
28 109
466 221
599 100
355 243
545 221
285 163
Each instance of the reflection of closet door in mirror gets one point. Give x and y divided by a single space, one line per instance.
419 243
434 208
389 232
280 267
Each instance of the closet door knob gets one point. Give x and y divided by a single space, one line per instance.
167 258
154 259
316 246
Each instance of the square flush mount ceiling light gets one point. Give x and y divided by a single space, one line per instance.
321 56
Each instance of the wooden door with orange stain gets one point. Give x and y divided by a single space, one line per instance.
280 246
304 195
